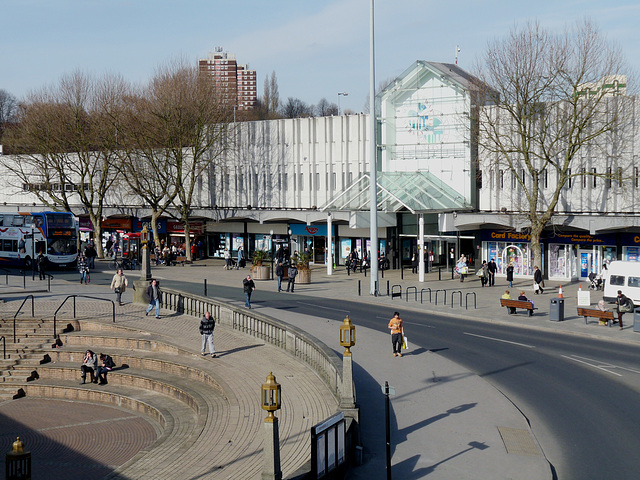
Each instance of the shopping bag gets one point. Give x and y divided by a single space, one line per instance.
405 342
536 287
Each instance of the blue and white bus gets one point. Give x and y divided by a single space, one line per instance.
23 235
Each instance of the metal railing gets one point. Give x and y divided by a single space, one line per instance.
4 347
55 314
282 335
20 308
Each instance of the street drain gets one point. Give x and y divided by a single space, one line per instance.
519 441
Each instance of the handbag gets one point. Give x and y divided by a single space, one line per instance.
479 273
117 290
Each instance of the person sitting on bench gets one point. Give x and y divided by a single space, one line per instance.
507 296
106 365
524 298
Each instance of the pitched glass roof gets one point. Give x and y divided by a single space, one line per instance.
417 192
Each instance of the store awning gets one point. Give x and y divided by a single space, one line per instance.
416 192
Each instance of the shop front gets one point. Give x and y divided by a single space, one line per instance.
358 239
509 248
630 247
575 255
312 239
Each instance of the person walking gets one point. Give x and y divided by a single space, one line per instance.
154 294
207 324
227 259
119 284
83 268
293 272
41 260
279 275
462 268
483 273
249 287
241 261
397 331
537 281
493 268
623 305
510 275
89 364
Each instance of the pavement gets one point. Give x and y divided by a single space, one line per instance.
447 423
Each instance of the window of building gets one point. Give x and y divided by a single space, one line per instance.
584 177
609 177
501 175
595 177
569 178
479 178
301 183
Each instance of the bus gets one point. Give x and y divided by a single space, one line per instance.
23 235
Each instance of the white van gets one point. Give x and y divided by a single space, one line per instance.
623 276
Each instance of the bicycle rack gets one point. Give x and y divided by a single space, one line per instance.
415 291
453 294
466 304
395 294
445 295
424 290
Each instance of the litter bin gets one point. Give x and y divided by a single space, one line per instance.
636 320
556 310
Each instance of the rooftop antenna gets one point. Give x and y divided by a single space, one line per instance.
457 51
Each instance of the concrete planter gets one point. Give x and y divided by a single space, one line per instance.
261 272
304 276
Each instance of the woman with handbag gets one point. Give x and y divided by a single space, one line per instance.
623 305
119 284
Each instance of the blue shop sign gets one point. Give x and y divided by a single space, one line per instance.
310 230
138 225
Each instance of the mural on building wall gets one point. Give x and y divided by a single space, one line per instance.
424 122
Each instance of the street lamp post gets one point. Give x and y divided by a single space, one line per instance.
344 94
270 401
272 254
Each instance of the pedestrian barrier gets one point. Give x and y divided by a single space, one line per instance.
395 293
387 288
16 315
424 290
55 314
445 296
453 294
359 288
466 303
415 291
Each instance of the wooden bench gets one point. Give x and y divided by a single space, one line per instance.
521 304
595 313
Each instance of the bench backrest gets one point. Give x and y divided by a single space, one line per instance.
595 313
505 302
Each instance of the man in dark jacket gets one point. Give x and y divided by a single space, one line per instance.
106 365
41 260
623 305
537 278
207 324
279 275
293 271
154 294
493 268
249 287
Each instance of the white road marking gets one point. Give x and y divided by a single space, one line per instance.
599 365
499 340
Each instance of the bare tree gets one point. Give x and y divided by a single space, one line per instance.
549 100
325 109
274 95
192 123
144 159
296 108
65 148
8 110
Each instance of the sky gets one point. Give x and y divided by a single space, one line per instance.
316 48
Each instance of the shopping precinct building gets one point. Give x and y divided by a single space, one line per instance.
292 181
